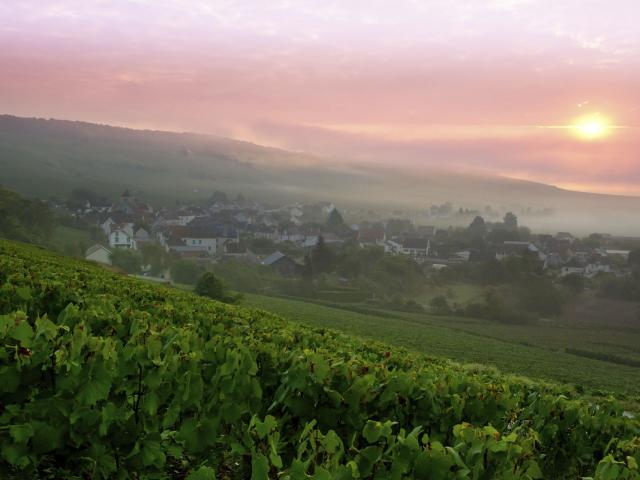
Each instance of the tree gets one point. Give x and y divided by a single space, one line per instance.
155 257
187 272
128 260
321 257
399 226
25 220
335 220
634 258
307 270
79 198
440 305
573 282
510 221
210 286
478 228
262 246
219 197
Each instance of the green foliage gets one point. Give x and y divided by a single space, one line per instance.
210 286
621 288
186 272
440 305
128 260
79 197
156 257
110 377
262 246
322 257
25 220
574 282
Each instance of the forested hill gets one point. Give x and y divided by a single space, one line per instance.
43 158
104 376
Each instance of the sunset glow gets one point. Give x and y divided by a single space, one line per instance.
592 127
506 87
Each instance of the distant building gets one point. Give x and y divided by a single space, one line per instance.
371 236
416 247
121 236
282 264
564 236
98 253
208 238
516 249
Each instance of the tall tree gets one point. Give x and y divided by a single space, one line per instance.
335 219
477 228
510 221
321 257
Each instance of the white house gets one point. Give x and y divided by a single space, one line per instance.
391 246
593 269
291 235
209 238
98 253
571 270
122 237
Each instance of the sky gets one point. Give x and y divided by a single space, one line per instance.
502 87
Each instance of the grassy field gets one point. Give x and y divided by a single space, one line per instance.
537 350
461 293
70 241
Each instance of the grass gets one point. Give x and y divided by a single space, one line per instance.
536 351
70 241
461 293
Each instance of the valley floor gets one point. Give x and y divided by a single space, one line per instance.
590 355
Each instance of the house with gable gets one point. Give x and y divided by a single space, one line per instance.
282 264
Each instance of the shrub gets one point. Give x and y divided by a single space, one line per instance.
210 286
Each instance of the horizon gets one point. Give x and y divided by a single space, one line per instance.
527 90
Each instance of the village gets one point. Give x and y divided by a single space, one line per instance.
282 237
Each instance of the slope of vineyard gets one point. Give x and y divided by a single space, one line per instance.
102 376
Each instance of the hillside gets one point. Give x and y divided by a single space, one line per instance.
599 358
51 157
104 375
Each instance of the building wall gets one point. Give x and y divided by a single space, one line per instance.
100 256
120 239
210 244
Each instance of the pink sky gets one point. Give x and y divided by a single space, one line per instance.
463 84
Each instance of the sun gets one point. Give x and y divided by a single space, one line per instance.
592 127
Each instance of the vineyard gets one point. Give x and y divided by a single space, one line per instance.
103 376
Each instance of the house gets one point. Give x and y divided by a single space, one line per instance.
593 269
391 246
116 219
461 256
516 249
553 260
210 238
572 268
121 236
141 237
416 247
98 253
371 236
263 231
284 265
564 236
623 254
291 235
